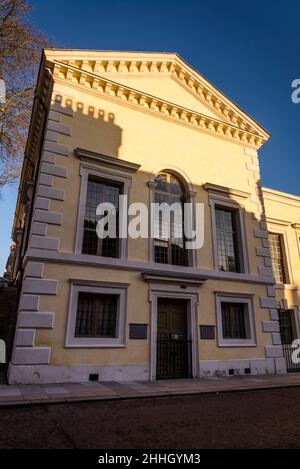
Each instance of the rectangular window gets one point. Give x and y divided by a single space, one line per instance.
275 241
99 192
227 241
286 326
235 320
96 315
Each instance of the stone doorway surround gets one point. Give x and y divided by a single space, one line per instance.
185 287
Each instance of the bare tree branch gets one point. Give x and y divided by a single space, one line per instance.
20 52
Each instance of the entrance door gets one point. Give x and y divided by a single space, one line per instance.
173 343
287 333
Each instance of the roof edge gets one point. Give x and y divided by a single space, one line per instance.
179 61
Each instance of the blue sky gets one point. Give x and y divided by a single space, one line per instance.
250 51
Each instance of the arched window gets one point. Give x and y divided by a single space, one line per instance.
169 242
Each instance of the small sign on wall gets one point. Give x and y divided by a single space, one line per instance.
138 331
207 332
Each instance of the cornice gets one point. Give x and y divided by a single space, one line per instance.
216 189
283 197
139 266
143 101
96 283
215 101
277 221
108 161
116 63
157 276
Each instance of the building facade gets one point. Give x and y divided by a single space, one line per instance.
150 127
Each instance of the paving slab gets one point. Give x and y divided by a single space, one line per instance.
14 395
9 392
34 394
30 387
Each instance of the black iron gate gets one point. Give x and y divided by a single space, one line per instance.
173 358
291 367
8 317
288 334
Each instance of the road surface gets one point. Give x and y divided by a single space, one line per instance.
256 419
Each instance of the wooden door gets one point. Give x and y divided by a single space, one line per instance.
173 343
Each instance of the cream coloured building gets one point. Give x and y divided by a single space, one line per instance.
149 126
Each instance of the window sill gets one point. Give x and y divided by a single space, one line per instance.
231 272
286 286
94 345
98 256
238 344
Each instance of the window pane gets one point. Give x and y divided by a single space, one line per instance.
84 315
233 320
277 258
161 252
175 186
226 240
96 315
99 192
178 254
106 306
161 182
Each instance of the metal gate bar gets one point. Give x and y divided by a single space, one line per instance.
290 365
173 358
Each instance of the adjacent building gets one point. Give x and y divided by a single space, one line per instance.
148 126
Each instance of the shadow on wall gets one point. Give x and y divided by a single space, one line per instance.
90 120
96 130
106 139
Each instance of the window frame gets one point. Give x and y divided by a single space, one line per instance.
168 242
292 324
106 175
288 280
229 342
107 183
235 234
242 249
189 196
118 289
111 169
281 259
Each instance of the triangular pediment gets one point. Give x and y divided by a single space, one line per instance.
164 76
164 87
